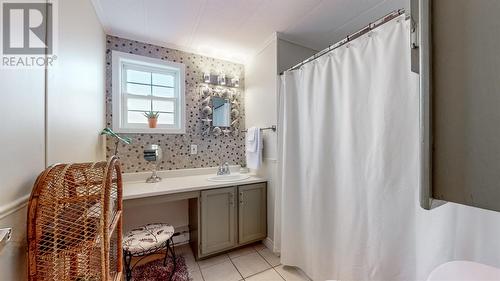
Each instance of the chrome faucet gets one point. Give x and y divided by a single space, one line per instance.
223 169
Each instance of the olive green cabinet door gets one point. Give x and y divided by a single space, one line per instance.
252 221
459 101
218 220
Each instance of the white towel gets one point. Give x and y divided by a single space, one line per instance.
254 148
251 139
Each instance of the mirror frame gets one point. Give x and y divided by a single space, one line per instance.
207 93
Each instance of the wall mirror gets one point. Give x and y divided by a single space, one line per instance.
221 112
220 108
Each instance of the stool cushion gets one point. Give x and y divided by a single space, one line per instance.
147 238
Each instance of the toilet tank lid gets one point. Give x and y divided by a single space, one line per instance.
464 271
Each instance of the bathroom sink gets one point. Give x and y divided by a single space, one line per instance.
229 178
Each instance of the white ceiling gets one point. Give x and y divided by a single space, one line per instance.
237 29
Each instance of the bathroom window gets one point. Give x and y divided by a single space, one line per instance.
141 85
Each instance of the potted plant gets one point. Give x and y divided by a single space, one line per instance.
152 118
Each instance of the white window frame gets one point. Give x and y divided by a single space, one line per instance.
120 61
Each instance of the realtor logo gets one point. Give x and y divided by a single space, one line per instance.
27 28
27 33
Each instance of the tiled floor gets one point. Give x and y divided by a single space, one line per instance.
254 263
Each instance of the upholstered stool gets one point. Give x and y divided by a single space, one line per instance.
146 240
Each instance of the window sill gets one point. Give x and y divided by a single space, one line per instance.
166 131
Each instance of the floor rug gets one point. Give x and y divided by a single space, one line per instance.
156 271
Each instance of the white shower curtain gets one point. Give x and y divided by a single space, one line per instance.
347 204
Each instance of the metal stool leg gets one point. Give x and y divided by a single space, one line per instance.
170 248
172 251
166 253
127 256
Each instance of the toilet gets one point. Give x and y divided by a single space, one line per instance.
464 270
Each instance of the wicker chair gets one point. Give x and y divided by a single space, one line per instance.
75 223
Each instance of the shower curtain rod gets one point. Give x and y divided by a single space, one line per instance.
349 38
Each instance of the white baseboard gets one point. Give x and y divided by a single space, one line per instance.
14 206
184 237
269 243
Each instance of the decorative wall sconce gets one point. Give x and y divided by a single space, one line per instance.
221 80
206 77
236 82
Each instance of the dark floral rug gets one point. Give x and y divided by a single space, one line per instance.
156 271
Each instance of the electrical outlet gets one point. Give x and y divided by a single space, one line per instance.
194 149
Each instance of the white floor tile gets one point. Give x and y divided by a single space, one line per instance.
213 261
196 276
187 254
290 273
250 264
268 275
221 272
191 263
270 257
241 252
193 267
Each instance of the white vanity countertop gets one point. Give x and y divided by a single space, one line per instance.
134 188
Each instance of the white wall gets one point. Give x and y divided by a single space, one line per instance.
260 111
261 85
22 157
174 213
290 54
76 86
75 116
261 96
22 136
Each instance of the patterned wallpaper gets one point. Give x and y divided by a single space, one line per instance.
212 150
